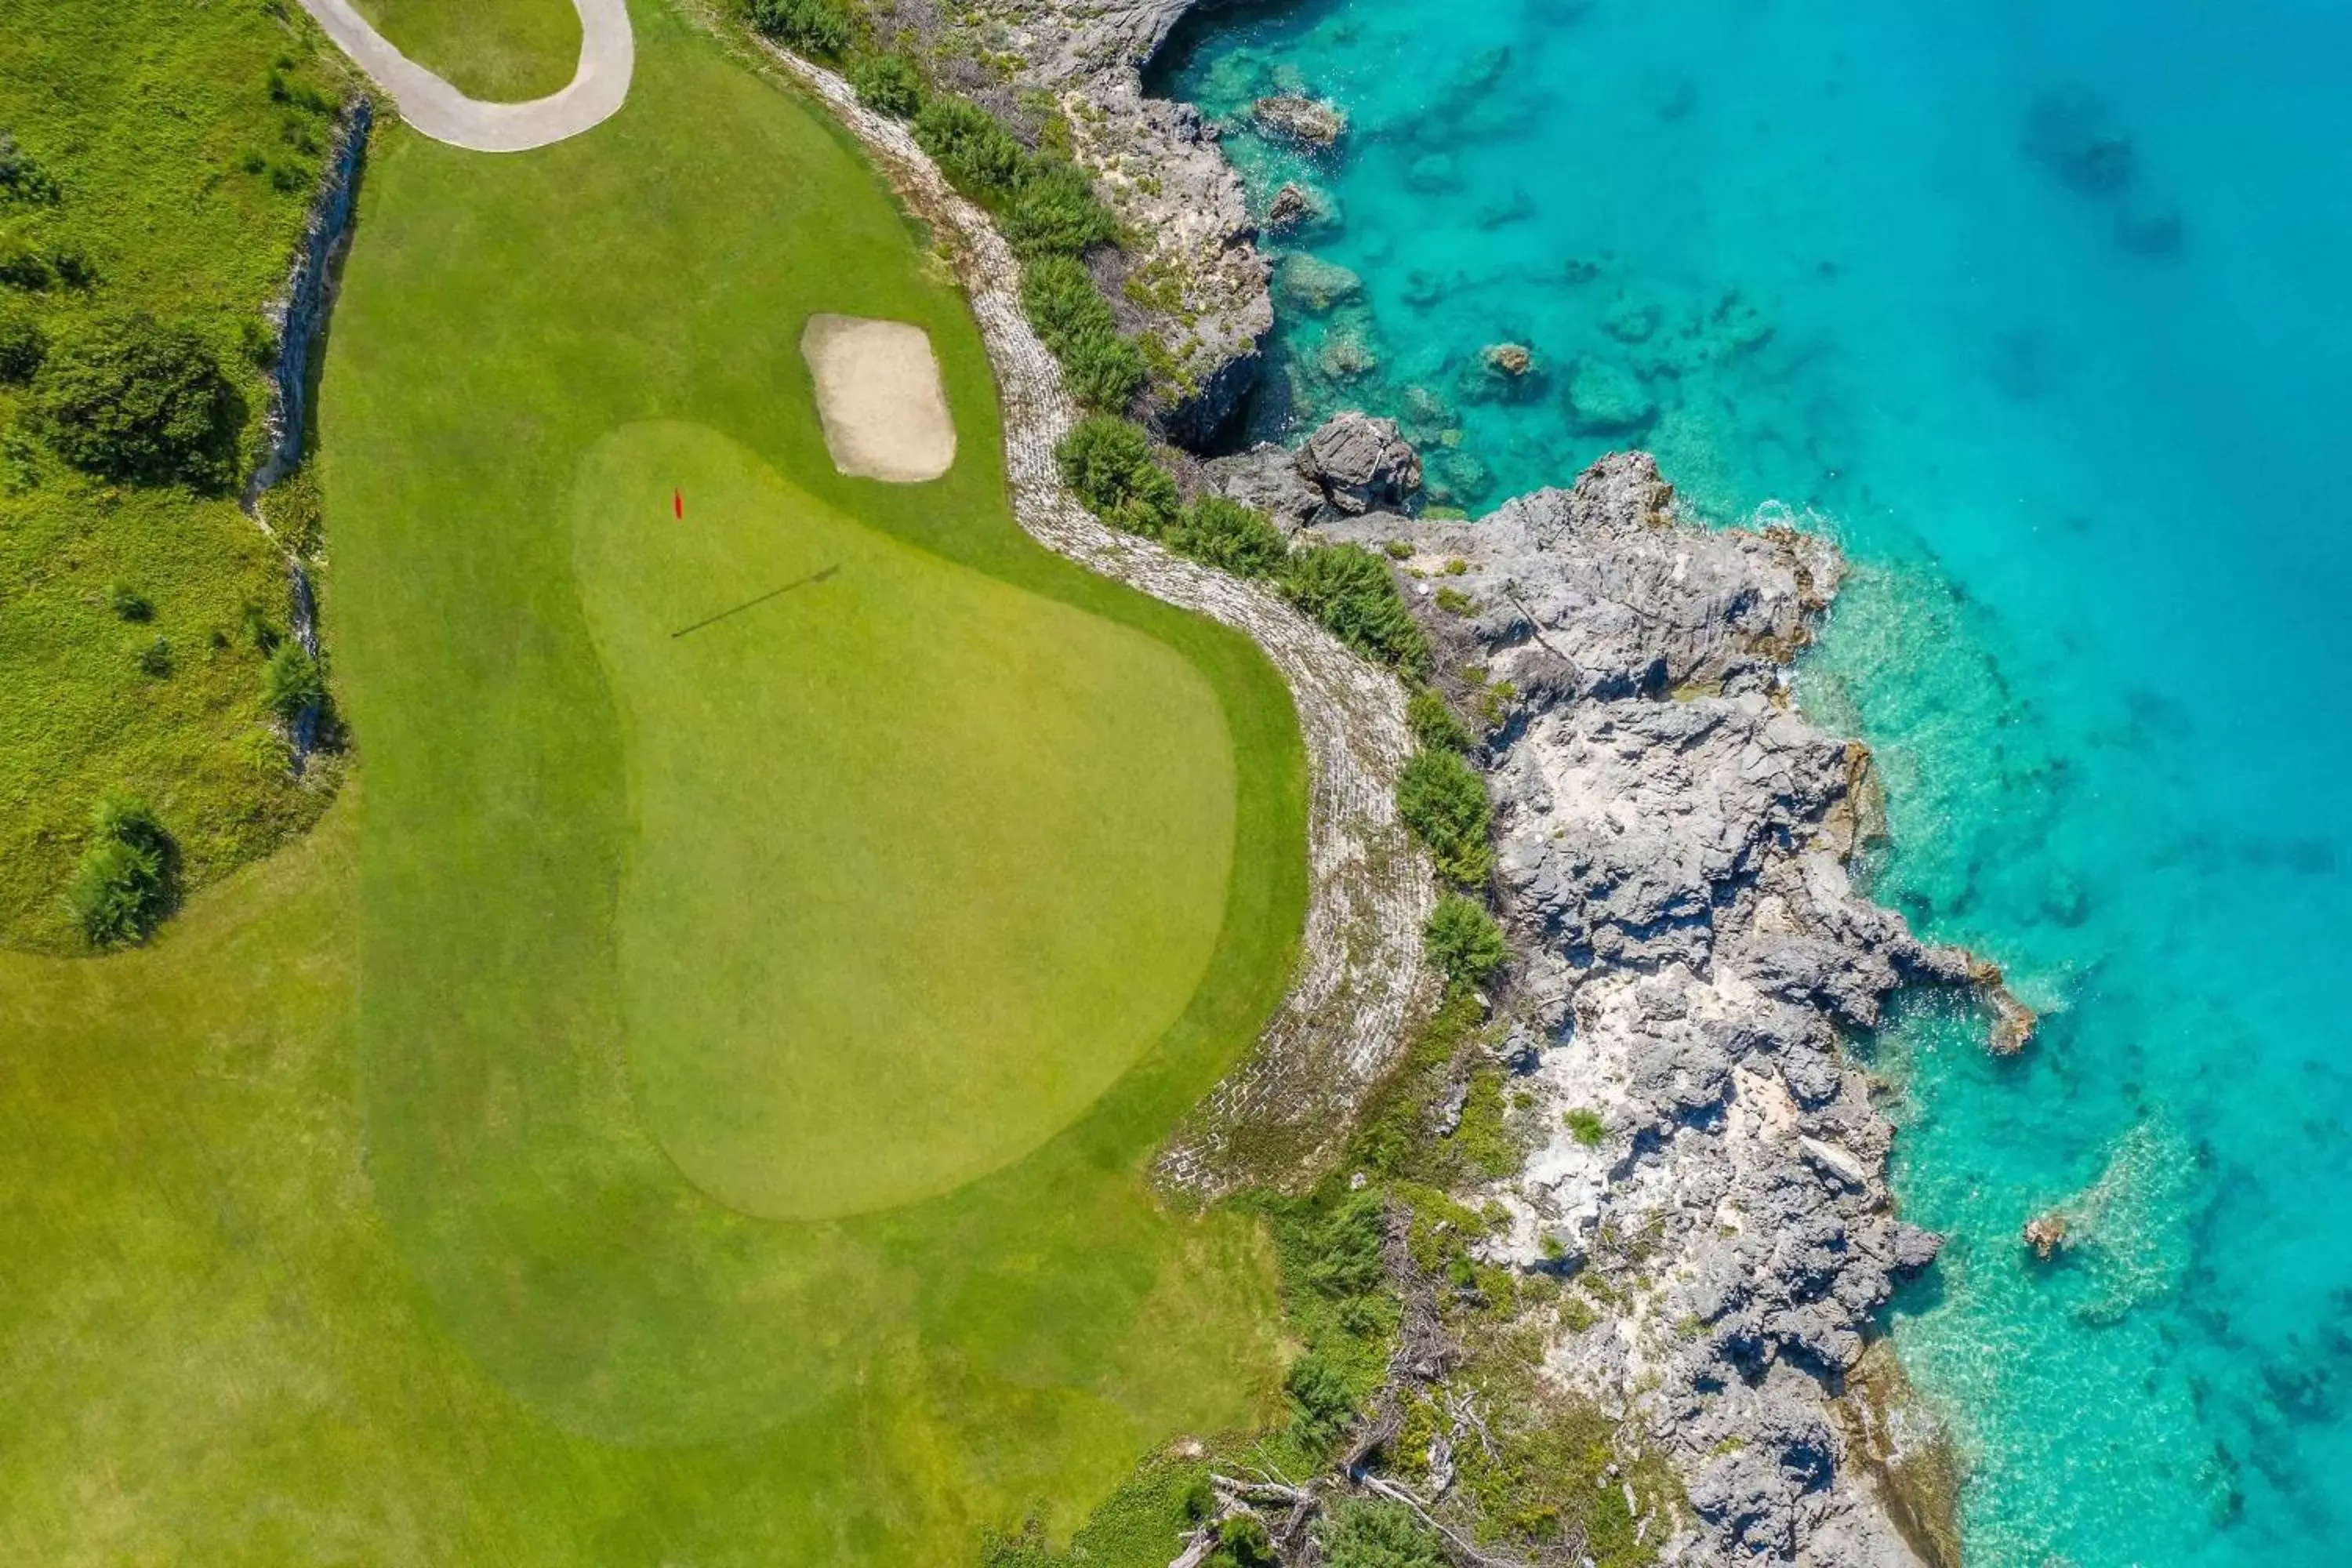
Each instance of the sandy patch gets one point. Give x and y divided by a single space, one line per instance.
877 391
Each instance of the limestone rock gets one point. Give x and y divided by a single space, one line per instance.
1360 464
1300 119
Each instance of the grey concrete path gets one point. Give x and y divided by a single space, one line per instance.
608 53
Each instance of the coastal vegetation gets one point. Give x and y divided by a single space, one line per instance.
137 252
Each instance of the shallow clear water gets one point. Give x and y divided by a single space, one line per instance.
2039 306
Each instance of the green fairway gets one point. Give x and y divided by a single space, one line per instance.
921 861
411 1201
506 51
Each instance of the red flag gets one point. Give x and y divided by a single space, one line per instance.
677 504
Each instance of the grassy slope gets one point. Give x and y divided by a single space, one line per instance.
471 1313
507 51
908 827
145 109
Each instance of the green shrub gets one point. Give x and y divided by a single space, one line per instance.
972 148
1364 1535
1322 1401
887 84
1243 1542
1054 212
131 398
128 602
1230 537
156 658
1102 369
292 682
1463 940
22 347
1445 804
811 26
1349 590
22 178
1343 1252
23 267
129 875
1584 1125
1434 724
1108 463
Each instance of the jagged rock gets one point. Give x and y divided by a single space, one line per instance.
2047 1235
1267 477
1360 464
1297 207
1670 839
1308 119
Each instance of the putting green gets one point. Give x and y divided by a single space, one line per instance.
920 861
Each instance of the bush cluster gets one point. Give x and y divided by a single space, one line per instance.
1444 805
1365 1534
22 178
1352 591
1464 942
1230 537
1433 723
1045 205
129 875
22 347
810 27
1102 369
887 84
134 399
291 682
1107 463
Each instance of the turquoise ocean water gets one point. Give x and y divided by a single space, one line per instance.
2041 308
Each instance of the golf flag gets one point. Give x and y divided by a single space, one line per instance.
677 504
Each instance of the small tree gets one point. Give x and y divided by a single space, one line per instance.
887 84
1463 940
129 875
1230 537
1108 463
134 399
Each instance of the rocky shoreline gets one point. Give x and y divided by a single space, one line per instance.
1671 840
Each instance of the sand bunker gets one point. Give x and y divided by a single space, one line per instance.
877 391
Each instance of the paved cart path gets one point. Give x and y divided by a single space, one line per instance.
430 105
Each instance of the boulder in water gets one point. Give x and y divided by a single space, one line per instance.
1604 398
1300 119
1360 464
1312 284
2047 1235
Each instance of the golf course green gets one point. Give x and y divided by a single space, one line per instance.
979 845
690 1101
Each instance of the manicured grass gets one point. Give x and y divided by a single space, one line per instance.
146 112
507 51
921 861
335 1225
